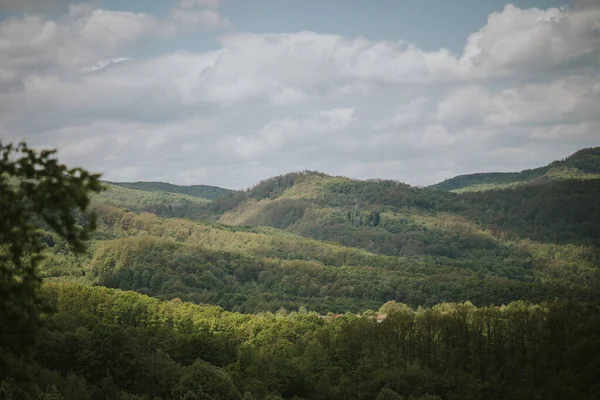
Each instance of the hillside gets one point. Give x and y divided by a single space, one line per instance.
306 286
109 344
168 204
584 164
388 217
202 191
335 244
259 269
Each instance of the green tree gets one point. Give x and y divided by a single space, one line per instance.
205 381
388 394
37 194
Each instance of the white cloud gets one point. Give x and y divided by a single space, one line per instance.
85 38
414 112
304 65
292 131
464 106
190 19
575 98
265 104
33 44
535 41
579 131
190 14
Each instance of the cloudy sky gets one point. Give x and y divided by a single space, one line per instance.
229 92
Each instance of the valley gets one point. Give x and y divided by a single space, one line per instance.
310 286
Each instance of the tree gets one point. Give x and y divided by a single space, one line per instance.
388 394
205 381
38 198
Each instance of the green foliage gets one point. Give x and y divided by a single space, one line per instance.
35 191
586 160
160 203
9 390
258 269
490 180
584 164
450 351
267 189
306 241
205 381
388 394
202 191
559 211
433 257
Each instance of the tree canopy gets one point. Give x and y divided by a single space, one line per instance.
36 192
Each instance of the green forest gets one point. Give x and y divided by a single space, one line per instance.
305 286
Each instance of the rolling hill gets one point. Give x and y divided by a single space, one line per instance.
202 191
168 204
584 164
335 244
310 286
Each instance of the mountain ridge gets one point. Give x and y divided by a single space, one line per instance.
583 164
204 191
331 243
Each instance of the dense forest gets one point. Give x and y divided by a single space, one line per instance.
101 343
305 286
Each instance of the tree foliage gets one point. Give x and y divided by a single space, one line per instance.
35 191
451 271
104 341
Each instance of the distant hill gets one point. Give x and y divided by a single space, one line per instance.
204 191
584 164
393 218
308 241
166 204
331 243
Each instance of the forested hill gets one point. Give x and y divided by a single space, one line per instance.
203 191
308 258
584 164
331 243
392 218
334 244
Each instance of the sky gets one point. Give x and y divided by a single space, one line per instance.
232 92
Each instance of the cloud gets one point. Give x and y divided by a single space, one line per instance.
87 37
190 14
465 105
190 19
570 99
304 65
535 41
415 112
292 132
266 104
32 44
